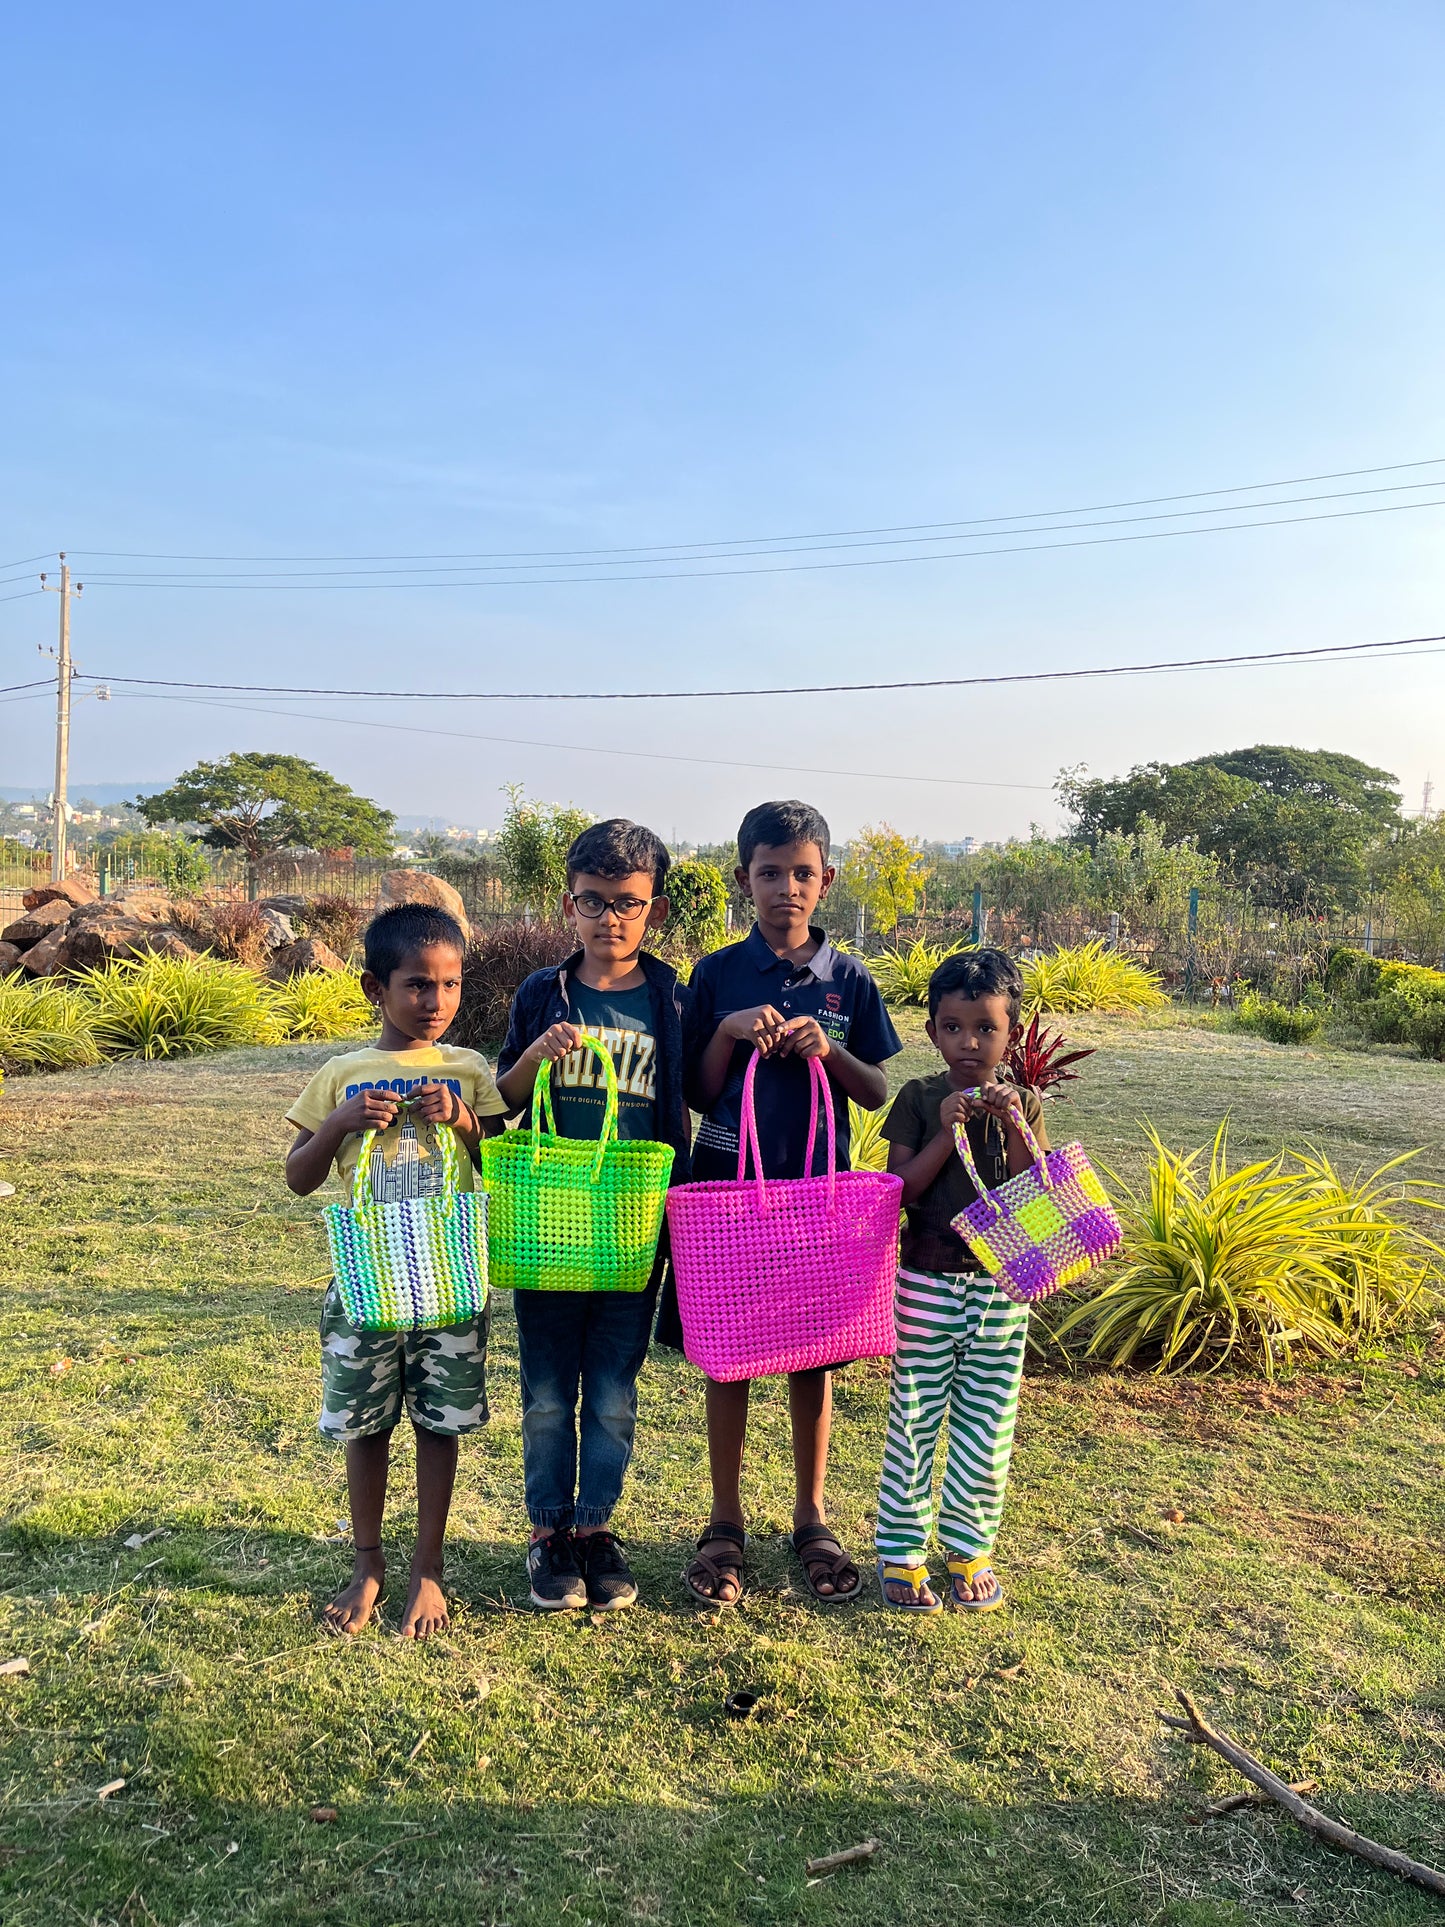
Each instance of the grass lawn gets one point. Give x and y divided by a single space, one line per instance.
529 1770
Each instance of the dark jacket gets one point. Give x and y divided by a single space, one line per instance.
541 1001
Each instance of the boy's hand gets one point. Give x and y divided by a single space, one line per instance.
438 1104
552 1044
762 1027
997 1100
954 1110
367 1111
805 1038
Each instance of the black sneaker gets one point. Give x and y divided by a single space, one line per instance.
610 1583
557 1582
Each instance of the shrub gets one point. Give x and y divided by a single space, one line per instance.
1247 1265
171 1006
496 962
234 932
1426 1030
337 921
902 975
1034 1064
1280 1023
44 1025
1351 974
1406 994
316 1004
1090 976
698 894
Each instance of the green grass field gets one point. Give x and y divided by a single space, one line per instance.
529 1770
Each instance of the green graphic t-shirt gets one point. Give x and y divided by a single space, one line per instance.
622 1020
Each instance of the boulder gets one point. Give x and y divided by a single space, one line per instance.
306 953
415 886
284 906
43 959
91 943
275 927
9 957
71 890
146 904
37 923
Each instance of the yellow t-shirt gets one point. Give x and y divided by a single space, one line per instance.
464 1071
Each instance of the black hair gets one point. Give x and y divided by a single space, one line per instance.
619 848
398 933
977 973
778 824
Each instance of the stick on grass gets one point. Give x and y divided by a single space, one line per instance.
830 1861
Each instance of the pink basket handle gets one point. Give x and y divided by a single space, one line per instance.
965 1151
748 1131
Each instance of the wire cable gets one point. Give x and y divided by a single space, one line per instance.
49 556
736 541
22 595
1316 652
786 568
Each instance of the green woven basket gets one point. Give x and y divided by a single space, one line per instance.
569 1214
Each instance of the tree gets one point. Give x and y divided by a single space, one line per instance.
533 845
258 803
1293 825
697 894
1146 879
886 873
1035 879
1411 871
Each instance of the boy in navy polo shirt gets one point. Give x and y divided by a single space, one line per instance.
787 994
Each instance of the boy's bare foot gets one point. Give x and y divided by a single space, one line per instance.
426 1606
353 1606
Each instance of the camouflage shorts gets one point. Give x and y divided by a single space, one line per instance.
367 1378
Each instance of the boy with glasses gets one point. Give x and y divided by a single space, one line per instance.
593 1343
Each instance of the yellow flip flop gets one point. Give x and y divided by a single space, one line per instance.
968 1570
915 1578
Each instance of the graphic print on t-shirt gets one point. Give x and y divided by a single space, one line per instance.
621 1021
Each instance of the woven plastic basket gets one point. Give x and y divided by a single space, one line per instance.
789 1274
567 1214
414 1265
1045 1228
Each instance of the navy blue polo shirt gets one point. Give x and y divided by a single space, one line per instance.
834 988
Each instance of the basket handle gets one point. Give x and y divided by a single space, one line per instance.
748 1132
542 1104
965 1151
363 1196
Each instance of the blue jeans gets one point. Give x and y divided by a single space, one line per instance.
570 1341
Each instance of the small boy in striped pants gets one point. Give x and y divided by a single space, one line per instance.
961 1341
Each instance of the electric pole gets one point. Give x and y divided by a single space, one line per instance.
63 675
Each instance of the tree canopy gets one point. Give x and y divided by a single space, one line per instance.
259 803
533 845
1293 824
886 873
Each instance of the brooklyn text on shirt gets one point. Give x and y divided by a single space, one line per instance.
401 1085
633 1052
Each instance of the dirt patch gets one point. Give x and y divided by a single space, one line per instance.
1362 1559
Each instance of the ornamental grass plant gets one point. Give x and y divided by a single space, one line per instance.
1248 1266
318 1004
44 1025
172 1006
1090 976
902 975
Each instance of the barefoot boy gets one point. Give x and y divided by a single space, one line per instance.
592 1343
413 975
785 993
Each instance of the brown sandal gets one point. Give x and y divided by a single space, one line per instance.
822 1557
715 1567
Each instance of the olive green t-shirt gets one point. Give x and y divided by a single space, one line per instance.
930 1242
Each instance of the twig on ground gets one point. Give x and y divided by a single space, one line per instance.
1198 1729
1143 1538
829 1861
1237 1800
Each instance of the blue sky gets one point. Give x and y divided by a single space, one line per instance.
348 281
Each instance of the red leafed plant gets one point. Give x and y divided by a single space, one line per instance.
1034 1063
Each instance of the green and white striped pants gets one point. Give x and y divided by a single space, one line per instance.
960 1351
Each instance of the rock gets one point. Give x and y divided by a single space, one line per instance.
94 942
37 923
275 927
284 906
43 959
144 903
72 890
9 957
307 953
415 886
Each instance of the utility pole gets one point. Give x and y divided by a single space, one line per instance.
63 676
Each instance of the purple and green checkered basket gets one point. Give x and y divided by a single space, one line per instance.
1042 1230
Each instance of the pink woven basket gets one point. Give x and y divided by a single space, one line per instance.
789 1275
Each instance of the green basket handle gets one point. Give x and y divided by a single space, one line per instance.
542 1104
362 1194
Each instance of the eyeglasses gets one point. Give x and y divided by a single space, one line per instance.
591 906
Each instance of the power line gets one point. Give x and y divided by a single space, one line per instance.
1316 652
22 595
598 749
721 542
787 568
20 561
44 683
131 578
